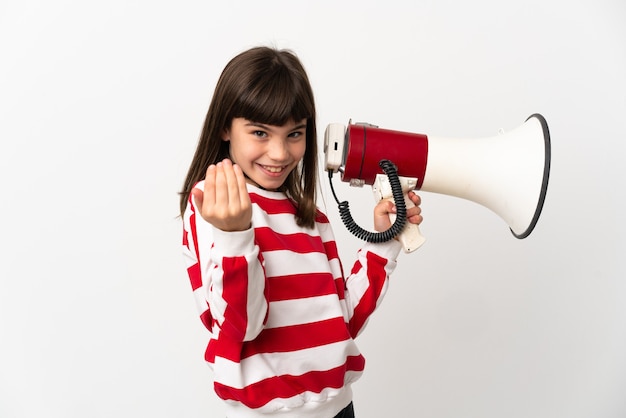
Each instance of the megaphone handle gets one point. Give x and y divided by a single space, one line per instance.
411 238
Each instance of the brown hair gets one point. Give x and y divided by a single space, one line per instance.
268 86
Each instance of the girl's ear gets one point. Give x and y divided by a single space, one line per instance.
226 135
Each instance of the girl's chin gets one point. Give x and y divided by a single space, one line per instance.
266 184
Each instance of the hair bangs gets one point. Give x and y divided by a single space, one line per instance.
275 98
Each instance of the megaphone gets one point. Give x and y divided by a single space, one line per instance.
506 173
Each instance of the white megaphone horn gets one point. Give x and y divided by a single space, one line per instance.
507 173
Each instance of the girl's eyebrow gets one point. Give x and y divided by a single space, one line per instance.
259 125
267 127
300 126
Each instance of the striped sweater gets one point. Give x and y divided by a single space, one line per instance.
281 314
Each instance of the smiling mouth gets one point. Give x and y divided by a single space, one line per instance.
273 169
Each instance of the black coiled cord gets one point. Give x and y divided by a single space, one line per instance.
398 196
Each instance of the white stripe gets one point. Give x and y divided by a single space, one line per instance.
257 303
335 267
213 294
199 296
281 223
263 366
355 289
284 263
326 232
304 311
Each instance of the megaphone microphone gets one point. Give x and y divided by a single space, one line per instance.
507 173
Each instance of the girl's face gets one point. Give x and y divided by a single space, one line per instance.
266 153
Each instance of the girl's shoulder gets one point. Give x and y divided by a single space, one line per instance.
320 217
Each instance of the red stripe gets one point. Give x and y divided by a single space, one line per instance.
281 340
269 240
235 294
273 206
287 386
376 276
333 254
320 217
207 318
340 286
357 266
194 276
192 224
330 248
224 347
297 337
185 238
299 286
209 353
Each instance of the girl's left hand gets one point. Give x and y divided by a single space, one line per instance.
386 207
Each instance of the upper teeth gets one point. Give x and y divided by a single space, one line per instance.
273 169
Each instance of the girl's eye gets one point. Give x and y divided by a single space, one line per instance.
296 135
260 134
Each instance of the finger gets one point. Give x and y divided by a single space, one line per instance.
381 215
244 197
221 185
209 186
232 185
415 198
413 210
413 214
384 208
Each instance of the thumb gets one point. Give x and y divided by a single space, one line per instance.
385 207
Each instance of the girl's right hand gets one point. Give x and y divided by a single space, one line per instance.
225 202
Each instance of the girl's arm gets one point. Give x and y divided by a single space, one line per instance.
225 268
368 280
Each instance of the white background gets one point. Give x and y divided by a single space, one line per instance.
101 105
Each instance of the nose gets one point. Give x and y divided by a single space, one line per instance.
278 150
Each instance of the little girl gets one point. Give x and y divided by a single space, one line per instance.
262 259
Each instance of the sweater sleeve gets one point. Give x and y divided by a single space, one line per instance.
364 287
227 277
368 281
